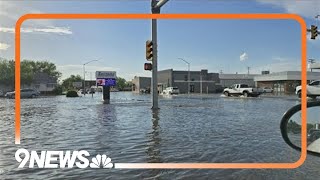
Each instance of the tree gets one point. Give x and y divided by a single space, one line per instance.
45 67
68 83
58 90
121 83
28 69
27 72
7 72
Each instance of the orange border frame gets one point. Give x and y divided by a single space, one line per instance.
177 16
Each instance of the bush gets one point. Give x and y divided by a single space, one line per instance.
57 90
72 94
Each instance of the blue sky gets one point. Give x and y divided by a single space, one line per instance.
120 44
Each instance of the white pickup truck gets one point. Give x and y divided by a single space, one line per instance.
242 90
313 89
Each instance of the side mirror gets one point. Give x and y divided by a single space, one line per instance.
291 127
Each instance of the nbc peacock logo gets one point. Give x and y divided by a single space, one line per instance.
101 161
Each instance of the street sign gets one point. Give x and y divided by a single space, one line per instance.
105 74
147 66
77 84
106 78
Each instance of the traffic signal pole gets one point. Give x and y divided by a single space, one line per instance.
155 9
154 66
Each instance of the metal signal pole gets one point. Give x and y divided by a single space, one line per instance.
155 9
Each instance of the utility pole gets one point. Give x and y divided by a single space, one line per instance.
248 70
155 9
311 61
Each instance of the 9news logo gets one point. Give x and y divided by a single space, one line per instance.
61 159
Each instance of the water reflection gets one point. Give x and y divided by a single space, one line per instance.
186 129
153 149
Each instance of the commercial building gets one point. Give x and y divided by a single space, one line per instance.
227 80
141 83
314 66
89 83
200 81
284 82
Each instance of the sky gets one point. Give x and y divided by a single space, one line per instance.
229 46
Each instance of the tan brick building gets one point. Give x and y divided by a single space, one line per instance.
284 82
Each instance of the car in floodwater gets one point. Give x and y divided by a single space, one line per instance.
267 90
242 90
171 90
313 89
24 93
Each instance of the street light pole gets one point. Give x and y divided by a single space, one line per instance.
84 76
188 73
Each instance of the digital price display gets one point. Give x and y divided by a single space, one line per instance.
106 82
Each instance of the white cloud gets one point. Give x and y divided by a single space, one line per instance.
11 11
306 8
244 56
4 46
280 59
55 30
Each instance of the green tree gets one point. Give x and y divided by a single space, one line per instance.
28 68
45 67
27 72
68 83
58 90
7 72
121 83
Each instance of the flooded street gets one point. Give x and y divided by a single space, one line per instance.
186 129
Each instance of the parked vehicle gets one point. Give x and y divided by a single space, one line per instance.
313 89
145 91
313 135
92 91
267 90
82 92
242 89
24 93
171 90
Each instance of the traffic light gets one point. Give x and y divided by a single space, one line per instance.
314 31
147 66
149 49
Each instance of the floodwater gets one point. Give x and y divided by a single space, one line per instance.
196 128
